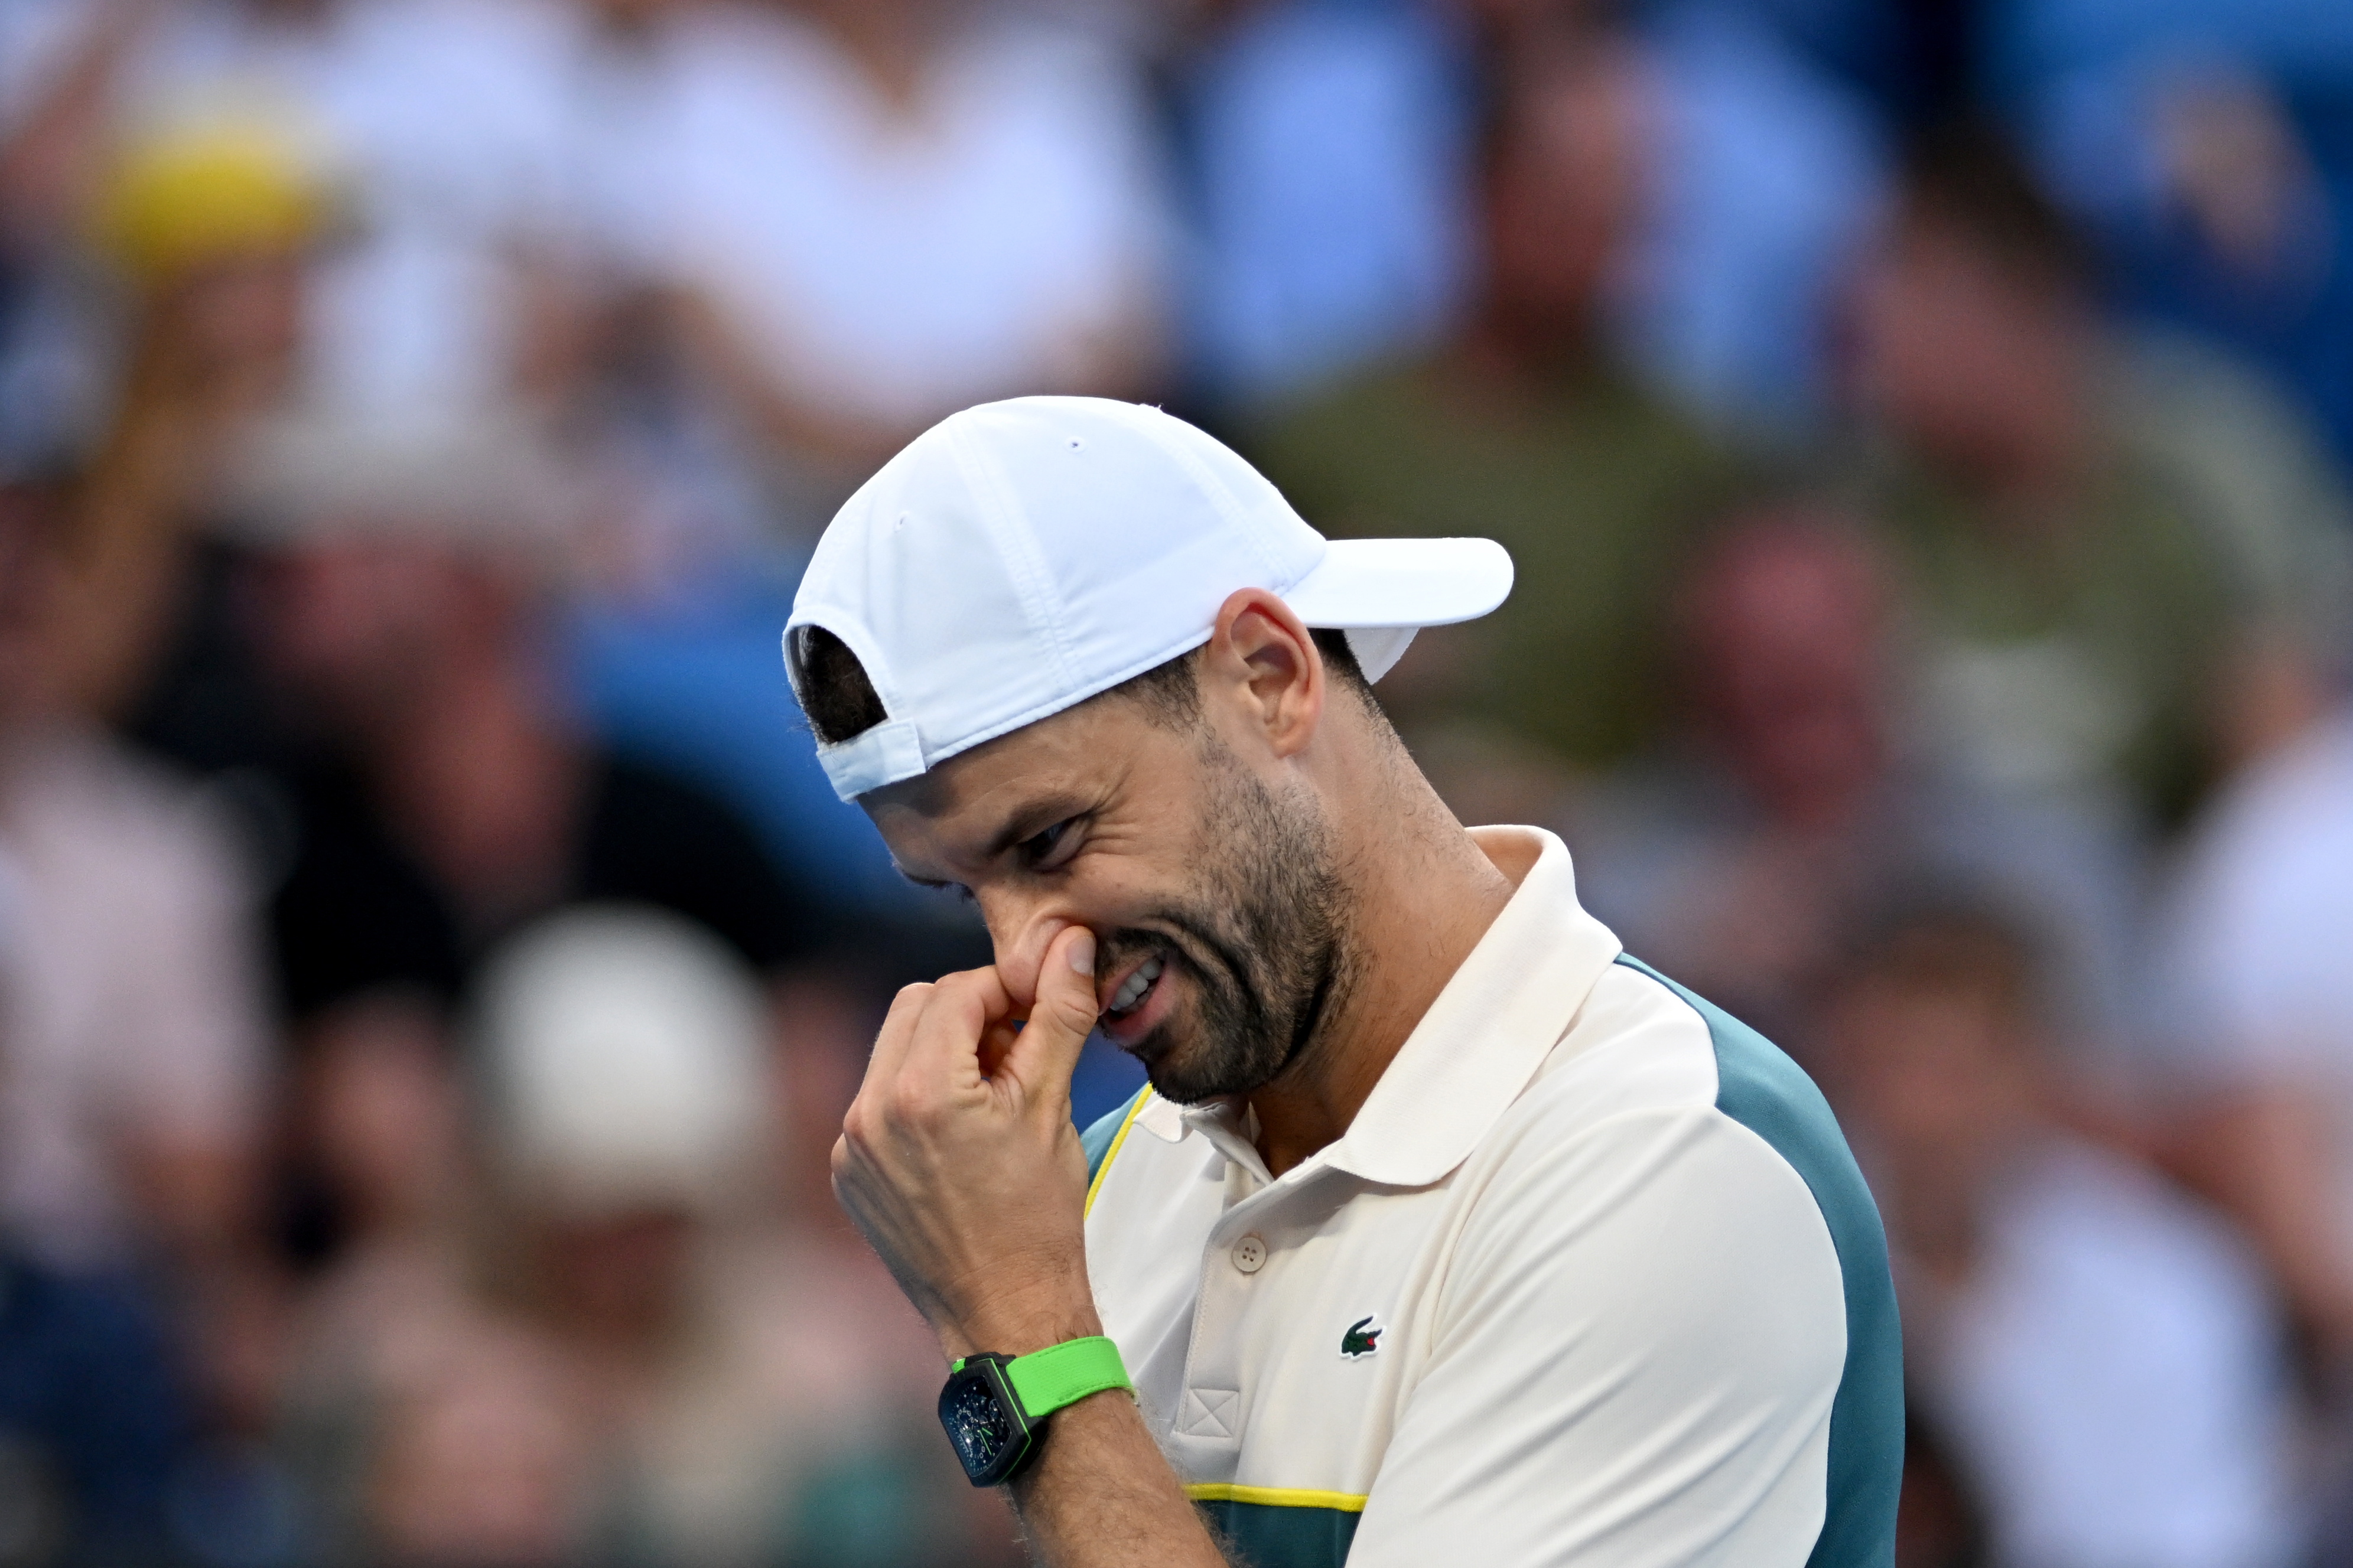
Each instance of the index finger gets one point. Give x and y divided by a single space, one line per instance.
898 1031
945 1039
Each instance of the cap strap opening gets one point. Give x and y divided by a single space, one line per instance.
883 755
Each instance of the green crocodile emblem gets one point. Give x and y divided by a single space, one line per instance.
1362 1339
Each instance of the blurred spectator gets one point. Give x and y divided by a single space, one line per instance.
1762 176
767 1400
422 1426
2258 957
1788 810
404 604
439 123
1327 148
138 1304
2105 567
1526 430
883 210
1327 145
135 1031
93 1418
213 235
2099 1352
626 1364
2210 150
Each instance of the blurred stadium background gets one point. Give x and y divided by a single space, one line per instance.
432 966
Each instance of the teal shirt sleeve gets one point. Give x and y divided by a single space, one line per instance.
1097 1138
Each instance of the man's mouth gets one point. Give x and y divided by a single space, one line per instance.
1133 990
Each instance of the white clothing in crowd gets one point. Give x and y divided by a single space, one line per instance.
131 1010
890 264
2260 944
2109 1376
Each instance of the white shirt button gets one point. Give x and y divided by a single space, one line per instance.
1249 1254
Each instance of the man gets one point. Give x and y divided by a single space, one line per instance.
1442 1230
130 985
1528 427
2099 1353
1789 810
404 577
2124 552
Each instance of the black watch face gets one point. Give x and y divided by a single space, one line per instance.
988 1437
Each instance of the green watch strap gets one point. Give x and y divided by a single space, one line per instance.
1045 1380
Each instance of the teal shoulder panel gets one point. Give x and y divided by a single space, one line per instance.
1269 1535
1770 1095
1098 1138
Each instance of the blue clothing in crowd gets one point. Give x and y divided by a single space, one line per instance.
91 1418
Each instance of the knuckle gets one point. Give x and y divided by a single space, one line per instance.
911 1103
954 989
906 1007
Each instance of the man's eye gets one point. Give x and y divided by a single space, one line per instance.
1046 849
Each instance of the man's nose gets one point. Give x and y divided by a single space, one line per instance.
1019 929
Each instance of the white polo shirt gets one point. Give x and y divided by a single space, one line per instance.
1591 1279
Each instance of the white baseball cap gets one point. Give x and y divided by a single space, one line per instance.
1020 557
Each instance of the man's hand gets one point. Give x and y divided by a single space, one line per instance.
959 1163
959 1160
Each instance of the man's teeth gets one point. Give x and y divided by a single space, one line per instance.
1131 989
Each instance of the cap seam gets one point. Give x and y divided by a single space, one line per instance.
1017 547
1228 505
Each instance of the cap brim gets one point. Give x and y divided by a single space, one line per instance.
1403 582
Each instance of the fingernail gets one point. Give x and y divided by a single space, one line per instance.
1082 952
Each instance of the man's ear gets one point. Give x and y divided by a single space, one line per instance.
1261 657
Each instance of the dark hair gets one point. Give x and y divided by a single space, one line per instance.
1956 946
1968 178
842 703
837 697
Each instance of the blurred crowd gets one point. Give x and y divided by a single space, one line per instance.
432 966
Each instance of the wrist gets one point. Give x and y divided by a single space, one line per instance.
1015 1327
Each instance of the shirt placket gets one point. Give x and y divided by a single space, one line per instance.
1242 1266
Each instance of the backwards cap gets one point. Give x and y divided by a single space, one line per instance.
1020 557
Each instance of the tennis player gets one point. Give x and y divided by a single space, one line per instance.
1445 1231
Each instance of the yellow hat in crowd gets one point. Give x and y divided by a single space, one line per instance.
211 192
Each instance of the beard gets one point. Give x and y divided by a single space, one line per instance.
1263 934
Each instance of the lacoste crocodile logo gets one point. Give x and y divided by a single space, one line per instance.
1363 1338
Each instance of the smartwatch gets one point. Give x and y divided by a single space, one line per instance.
995 1407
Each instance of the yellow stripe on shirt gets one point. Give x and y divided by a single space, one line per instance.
1113 1152
1275 1497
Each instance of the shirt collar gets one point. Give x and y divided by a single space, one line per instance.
1481 1041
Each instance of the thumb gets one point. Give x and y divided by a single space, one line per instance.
1045 1051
